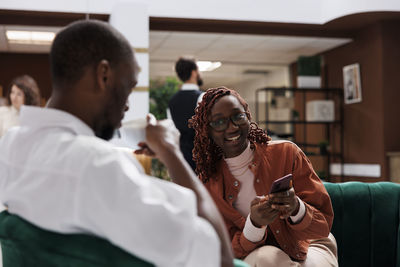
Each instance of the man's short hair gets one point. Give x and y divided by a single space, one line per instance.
82 44
184 68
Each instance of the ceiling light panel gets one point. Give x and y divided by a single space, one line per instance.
30 37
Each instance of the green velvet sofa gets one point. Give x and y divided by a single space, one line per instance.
25 245
366 228
366 223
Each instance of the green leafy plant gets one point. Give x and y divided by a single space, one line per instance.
295 115
161 92
273 102
309 66
323 147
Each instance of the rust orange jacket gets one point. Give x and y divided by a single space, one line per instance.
271 162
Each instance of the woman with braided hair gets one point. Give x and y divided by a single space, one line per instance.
238 163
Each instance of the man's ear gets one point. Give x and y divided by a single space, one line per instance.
195 73
103 74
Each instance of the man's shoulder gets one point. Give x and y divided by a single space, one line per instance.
186 93
92 145
174 96
97 155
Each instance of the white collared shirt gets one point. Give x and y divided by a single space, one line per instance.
190 86
56 174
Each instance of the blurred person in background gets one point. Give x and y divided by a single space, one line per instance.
183 103
23 90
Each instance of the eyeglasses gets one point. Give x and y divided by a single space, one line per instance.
222 124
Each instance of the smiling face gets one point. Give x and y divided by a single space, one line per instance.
233 140
17 97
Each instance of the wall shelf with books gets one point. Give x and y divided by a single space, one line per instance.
310 117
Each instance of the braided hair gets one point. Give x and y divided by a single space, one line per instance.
206 153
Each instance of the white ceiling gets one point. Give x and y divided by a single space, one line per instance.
237 52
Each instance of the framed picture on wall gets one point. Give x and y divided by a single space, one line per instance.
352 83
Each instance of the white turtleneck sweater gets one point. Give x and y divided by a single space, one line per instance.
239 167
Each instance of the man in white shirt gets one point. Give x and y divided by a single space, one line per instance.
57 173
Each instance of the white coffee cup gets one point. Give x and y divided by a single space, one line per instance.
134 131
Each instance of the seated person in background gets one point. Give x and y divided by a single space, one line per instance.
238 162
22 91
58 172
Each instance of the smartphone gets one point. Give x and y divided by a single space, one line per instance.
282 184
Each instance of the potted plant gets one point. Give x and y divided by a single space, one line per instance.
295 115
160 93
323 147
309 72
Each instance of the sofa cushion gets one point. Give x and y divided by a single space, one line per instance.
366 223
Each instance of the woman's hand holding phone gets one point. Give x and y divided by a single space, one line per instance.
285 202
281 201
283 197
261 212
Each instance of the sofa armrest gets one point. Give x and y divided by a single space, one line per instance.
366 223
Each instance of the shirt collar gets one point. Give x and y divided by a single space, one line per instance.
190 86
48 117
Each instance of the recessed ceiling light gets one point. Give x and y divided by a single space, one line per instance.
208 65
30 37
